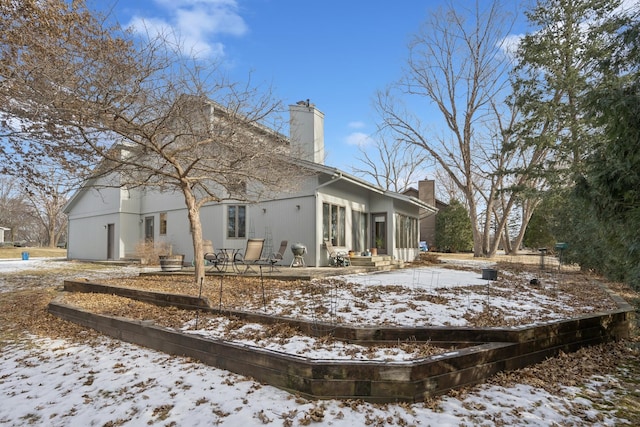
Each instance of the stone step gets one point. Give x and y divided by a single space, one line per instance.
371 261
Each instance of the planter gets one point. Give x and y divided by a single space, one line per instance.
171 262
489 274
374 251
352 253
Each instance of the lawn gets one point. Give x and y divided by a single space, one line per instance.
34 252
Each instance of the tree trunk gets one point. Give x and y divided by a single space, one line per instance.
51 231
506 240
196 233
527 213
477 235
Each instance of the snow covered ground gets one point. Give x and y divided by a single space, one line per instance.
47 382
58 383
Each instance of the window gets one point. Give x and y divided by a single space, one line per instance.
359 231
406 231
148 228
333 220
163 223
236 221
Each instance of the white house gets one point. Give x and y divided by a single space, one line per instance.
2 230
108 224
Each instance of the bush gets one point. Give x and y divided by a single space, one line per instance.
149 252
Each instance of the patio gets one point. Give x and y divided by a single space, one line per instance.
359 265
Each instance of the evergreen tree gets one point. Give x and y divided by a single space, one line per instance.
610 186
557 66
600 214
453 229
538 234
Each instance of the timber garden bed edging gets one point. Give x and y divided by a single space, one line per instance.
484 352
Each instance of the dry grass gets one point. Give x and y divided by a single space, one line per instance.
16 253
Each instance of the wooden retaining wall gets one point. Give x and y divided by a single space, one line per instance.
487 350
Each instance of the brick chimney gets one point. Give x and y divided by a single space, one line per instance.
427 191
306 131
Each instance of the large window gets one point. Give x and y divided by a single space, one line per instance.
406 232
236 221
333 224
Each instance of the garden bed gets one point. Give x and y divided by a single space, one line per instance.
334 338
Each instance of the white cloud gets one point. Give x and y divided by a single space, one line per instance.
359 139
510 43
195 24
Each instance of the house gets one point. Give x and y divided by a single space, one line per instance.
109 223
2 230
426 192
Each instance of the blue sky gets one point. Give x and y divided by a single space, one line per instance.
336 53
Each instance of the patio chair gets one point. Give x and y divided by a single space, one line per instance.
211 258
338 258
276 257
252 255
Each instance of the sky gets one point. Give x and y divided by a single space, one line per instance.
335 53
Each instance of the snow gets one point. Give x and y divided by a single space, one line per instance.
14 265
414 297
57 383
45 382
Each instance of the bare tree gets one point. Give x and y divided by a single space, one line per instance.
391 164
457 64
515 191
15 212
446 189
136 113
46 202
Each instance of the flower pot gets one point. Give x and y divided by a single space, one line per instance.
374 251
171 262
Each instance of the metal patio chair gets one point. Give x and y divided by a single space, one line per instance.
276 257
211 258
252 255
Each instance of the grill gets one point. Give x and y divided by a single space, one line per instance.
298 250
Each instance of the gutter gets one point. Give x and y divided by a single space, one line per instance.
338 176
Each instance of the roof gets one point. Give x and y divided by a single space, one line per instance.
412 190
321 168
338 174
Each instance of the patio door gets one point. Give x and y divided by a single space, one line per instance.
379 232
111 239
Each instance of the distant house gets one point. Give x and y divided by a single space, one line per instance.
2 230
426 192
108 224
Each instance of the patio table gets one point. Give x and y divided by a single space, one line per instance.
228 255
